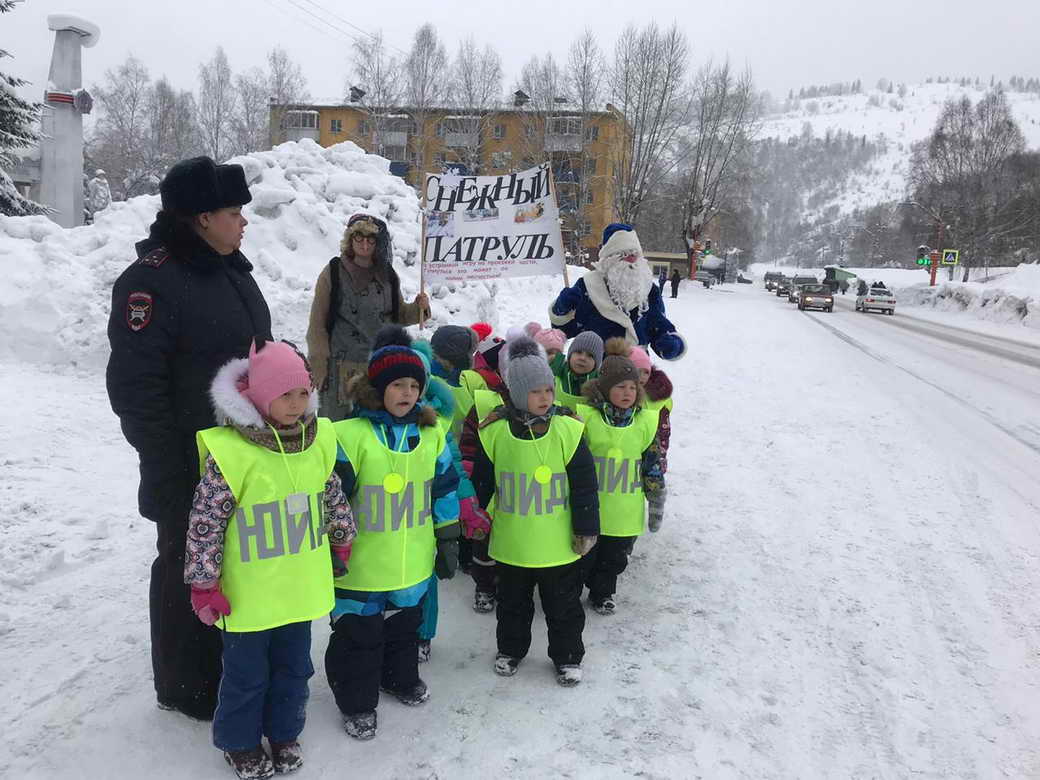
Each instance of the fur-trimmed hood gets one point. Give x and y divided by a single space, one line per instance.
366 396
233 407
658 386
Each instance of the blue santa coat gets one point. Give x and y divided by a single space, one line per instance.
575 310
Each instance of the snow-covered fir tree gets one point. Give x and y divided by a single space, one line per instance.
18 119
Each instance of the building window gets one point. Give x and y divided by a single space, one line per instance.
590 166
395 153
528 131
588 198
442 130
336 126
592 133
501 159
500 132
438 158
301 120
565 125
363 128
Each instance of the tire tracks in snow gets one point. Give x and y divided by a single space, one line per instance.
1032 445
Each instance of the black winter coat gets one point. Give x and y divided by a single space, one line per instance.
177 317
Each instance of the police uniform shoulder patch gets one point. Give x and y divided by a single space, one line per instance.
155 258
138 310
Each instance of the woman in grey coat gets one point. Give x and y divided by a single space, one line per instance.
356 294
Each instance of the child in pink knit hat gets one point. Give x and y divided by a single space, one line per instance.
553 341
268 526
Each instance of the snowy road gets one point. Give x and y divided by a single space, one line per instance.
845 585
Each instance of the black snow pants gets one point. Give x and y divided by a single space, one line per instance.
603 564
367 652
560 590
186 663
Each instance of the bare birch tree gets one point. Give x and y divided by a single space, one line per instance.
724 120
426 79
585 76
475 92
287 86
250 123
545 85
217 105
648 87
119 142
378 74
960 174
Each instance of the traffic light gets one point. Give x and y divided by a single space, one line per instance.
922 255
707 246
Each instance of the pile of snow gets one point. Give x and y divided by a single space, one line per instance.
1011 297
56 294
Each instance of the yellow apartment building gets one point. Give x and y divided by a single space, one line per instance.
582 148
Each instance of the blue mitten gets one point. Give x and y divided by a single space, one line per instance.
567 301
670 346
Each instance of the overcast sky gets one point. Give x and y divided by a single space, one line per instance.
787 44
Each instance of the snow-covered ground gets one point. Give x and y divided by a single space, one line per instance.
900 120
844 586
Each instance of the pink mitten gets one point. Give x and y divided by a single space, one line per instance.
209 603
342 551
475 521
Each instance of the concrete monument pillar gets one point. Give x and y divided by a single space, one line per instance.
61 145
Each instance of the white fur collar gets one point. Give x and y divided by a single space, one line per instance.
231 406
596 286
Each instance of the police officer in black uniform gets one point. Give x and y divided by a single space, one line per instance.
183 309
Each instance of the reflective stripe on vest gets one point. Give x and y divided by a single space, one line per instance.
395 543
566 399
618 453
531 520
276 567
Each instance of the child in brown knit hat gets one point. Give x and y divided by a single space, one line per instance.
621 433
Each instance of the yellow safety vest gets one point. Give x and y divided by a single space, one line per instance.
618 453
531 511
663 403
276 566
567 399
485 402
392 502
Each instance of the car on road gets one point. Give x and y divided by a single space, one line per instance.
796 287
815 296
707 278
783 286
771 278
876 298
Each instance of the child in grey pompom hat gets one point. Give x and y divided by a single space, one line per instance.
526 369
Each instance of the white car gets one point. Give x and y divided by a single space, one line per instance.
877 298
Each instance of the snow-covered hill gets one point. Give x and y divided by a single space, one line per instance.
900 120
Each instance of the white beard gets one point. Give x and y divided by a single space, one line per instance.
629 284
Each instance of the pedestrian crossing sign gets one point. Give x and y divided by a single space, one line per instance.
950 256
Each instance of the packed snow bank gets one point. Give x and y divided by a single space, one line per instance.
1010 297
56 293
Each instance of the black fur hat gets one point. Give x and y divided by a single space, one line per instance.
197 185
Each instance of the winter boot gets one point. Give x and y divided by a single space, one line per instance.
360 725
604 607
413 696
252 764
424 650
483 602
200 709
568 675
286 756
506 665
